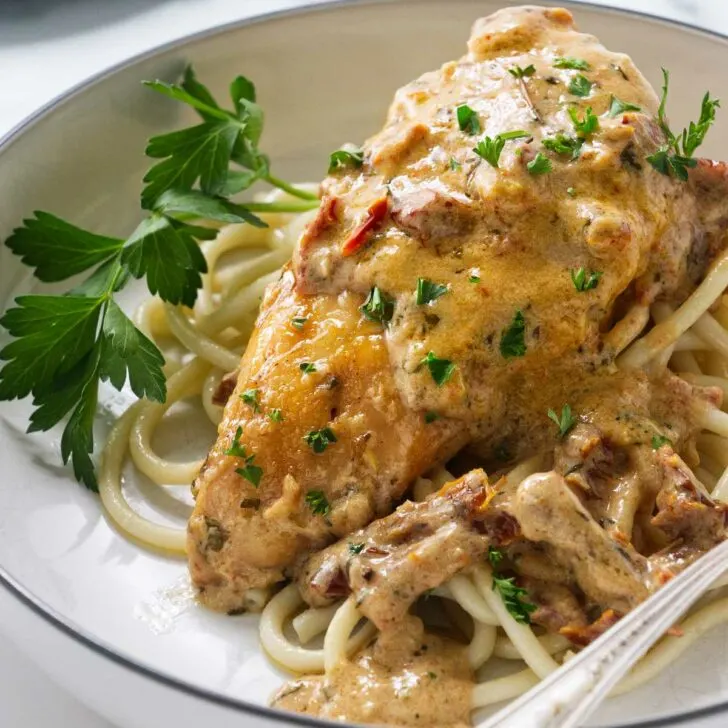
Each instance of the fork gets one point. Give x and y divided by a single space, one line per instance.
569 695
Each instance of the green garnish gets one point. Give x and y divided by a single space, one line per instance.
250 397
275 415
565 422
319 440
343 158
299 322
318 503
431 675
514 597
519 72
454 164
576 64
356 548
513 337
539 165
472 278
490 149
617 107
586 126
468 120
659 440
580 85
563 144
440 369
249 471
65 345
495 556
378 306
585 280
431 417
307 367
676 157
428 291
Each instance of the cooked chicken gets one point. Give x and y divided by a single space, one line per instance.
451 297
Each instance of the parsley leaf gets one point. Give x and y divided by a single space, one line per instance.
513 337
440 369
519 72
490 149
584 280
676 156
659 440
343 158
431 417
617 107
275 415
427 291
252 473
565 422
576 64
250 397
298 322
356 548
563 144
319 440
378 306
454 164
588 125
495 556
580 85
468 120
318 503
236 449
539 165
307 367
514 598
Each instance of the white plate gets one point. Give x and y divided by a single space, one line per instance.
110 621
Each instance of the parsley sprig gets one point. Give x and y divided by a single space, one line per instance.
65 345
515 599
676 156
490 149
565 422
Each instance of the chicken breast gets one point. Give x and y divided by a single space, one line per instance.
487 261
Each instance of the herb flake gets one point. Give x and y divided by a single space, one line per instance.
513 337
565 422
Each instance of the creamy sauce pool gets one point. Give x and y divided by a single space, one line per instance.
407 677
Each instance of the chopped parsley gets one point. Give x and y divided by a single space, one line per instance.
585 280
539 165
317 501
519 72
307 367
454 164
474 278
563 144
565 422
299 322
275 415
378 306
428 291
468 120
250 397
343 158
586 126
580 85
249 471
617 107
495 556
675 157
514 597
659 440
356 548
513 337
575 64
431 417
440 369
319 440
490 149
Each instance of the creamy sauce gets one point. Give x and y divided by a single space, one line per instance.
408 677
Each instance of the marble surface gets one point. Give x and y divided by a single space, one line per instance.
48 46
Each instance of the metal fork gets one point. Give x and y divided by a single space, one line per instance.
568 696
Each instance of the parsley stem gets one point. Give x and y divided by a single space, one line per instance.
281 206
295 191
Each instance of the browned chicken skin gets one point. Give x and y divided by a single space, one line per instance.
521 336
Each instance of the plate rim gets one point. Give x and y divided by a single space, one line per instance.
14 587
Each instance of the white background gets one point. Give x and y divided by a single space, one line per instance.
47 46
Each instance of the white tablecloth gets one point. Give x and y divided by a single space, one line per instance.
47 46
